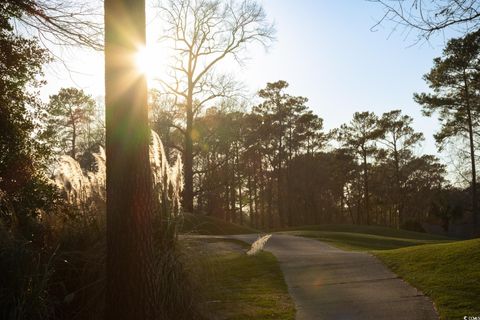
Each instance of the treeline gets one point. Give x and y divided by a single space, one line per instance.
275 165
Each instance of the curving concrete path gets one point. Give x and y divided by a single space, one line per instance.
329 283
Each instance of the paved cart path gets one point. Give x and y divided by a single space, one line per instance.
329 283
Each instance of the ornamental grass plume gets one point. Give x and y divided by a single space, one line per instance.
81 187
258 245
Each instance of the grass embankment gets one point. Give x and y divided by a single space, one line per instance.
448 273
445 270
201 224
366 238
237 286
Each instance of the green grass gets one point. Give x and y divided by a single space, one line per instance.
448 273
366 238
446 270
237 286
201 224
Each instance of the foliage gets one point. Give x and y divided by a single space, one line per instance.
454 80
70 123
399 139
243 157
360 137
201 35
448 205
61 274
24 190
272 166
24 281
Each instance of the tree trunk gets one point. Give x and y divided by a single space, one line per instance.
130 288
250 201
262 200
472 154
270 204
280 201
399 196
366 191
188 156
474 172
240 203
74 142
233 195
256 199
227 203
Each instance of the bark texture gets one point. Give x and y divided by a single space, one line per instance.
130 286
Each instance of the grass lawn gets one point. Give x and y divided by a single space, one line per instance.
448 273
237 286
201 224
366 238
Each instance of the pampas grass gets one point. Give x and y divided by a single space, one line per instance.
86 188
81 262
258 245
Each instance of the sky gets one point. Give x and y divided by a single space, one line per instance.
326 51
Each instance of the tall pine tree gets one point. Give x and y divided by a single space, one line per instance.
454 80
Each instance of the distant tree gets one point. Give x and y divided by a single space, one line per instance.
359 136
308 135
203 33
70 120
217 169
317 186
447 204
244 160
344 171
399 138
256 166
455 83
130 269
165 120
430 17
425 176
286 128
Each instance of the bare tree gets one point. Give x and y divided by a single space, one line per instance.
202 33
429 17
130 282
59 22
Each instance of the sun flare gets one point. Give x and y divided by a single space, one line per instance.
149 61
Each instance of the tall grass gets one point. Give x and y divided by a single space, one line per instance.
63 276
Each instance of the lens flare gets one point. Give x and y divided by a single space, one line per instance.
150 62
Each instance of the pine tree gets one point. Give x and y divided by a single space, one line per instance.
454 79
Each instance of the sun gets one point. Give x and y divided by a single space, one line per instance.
150 62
